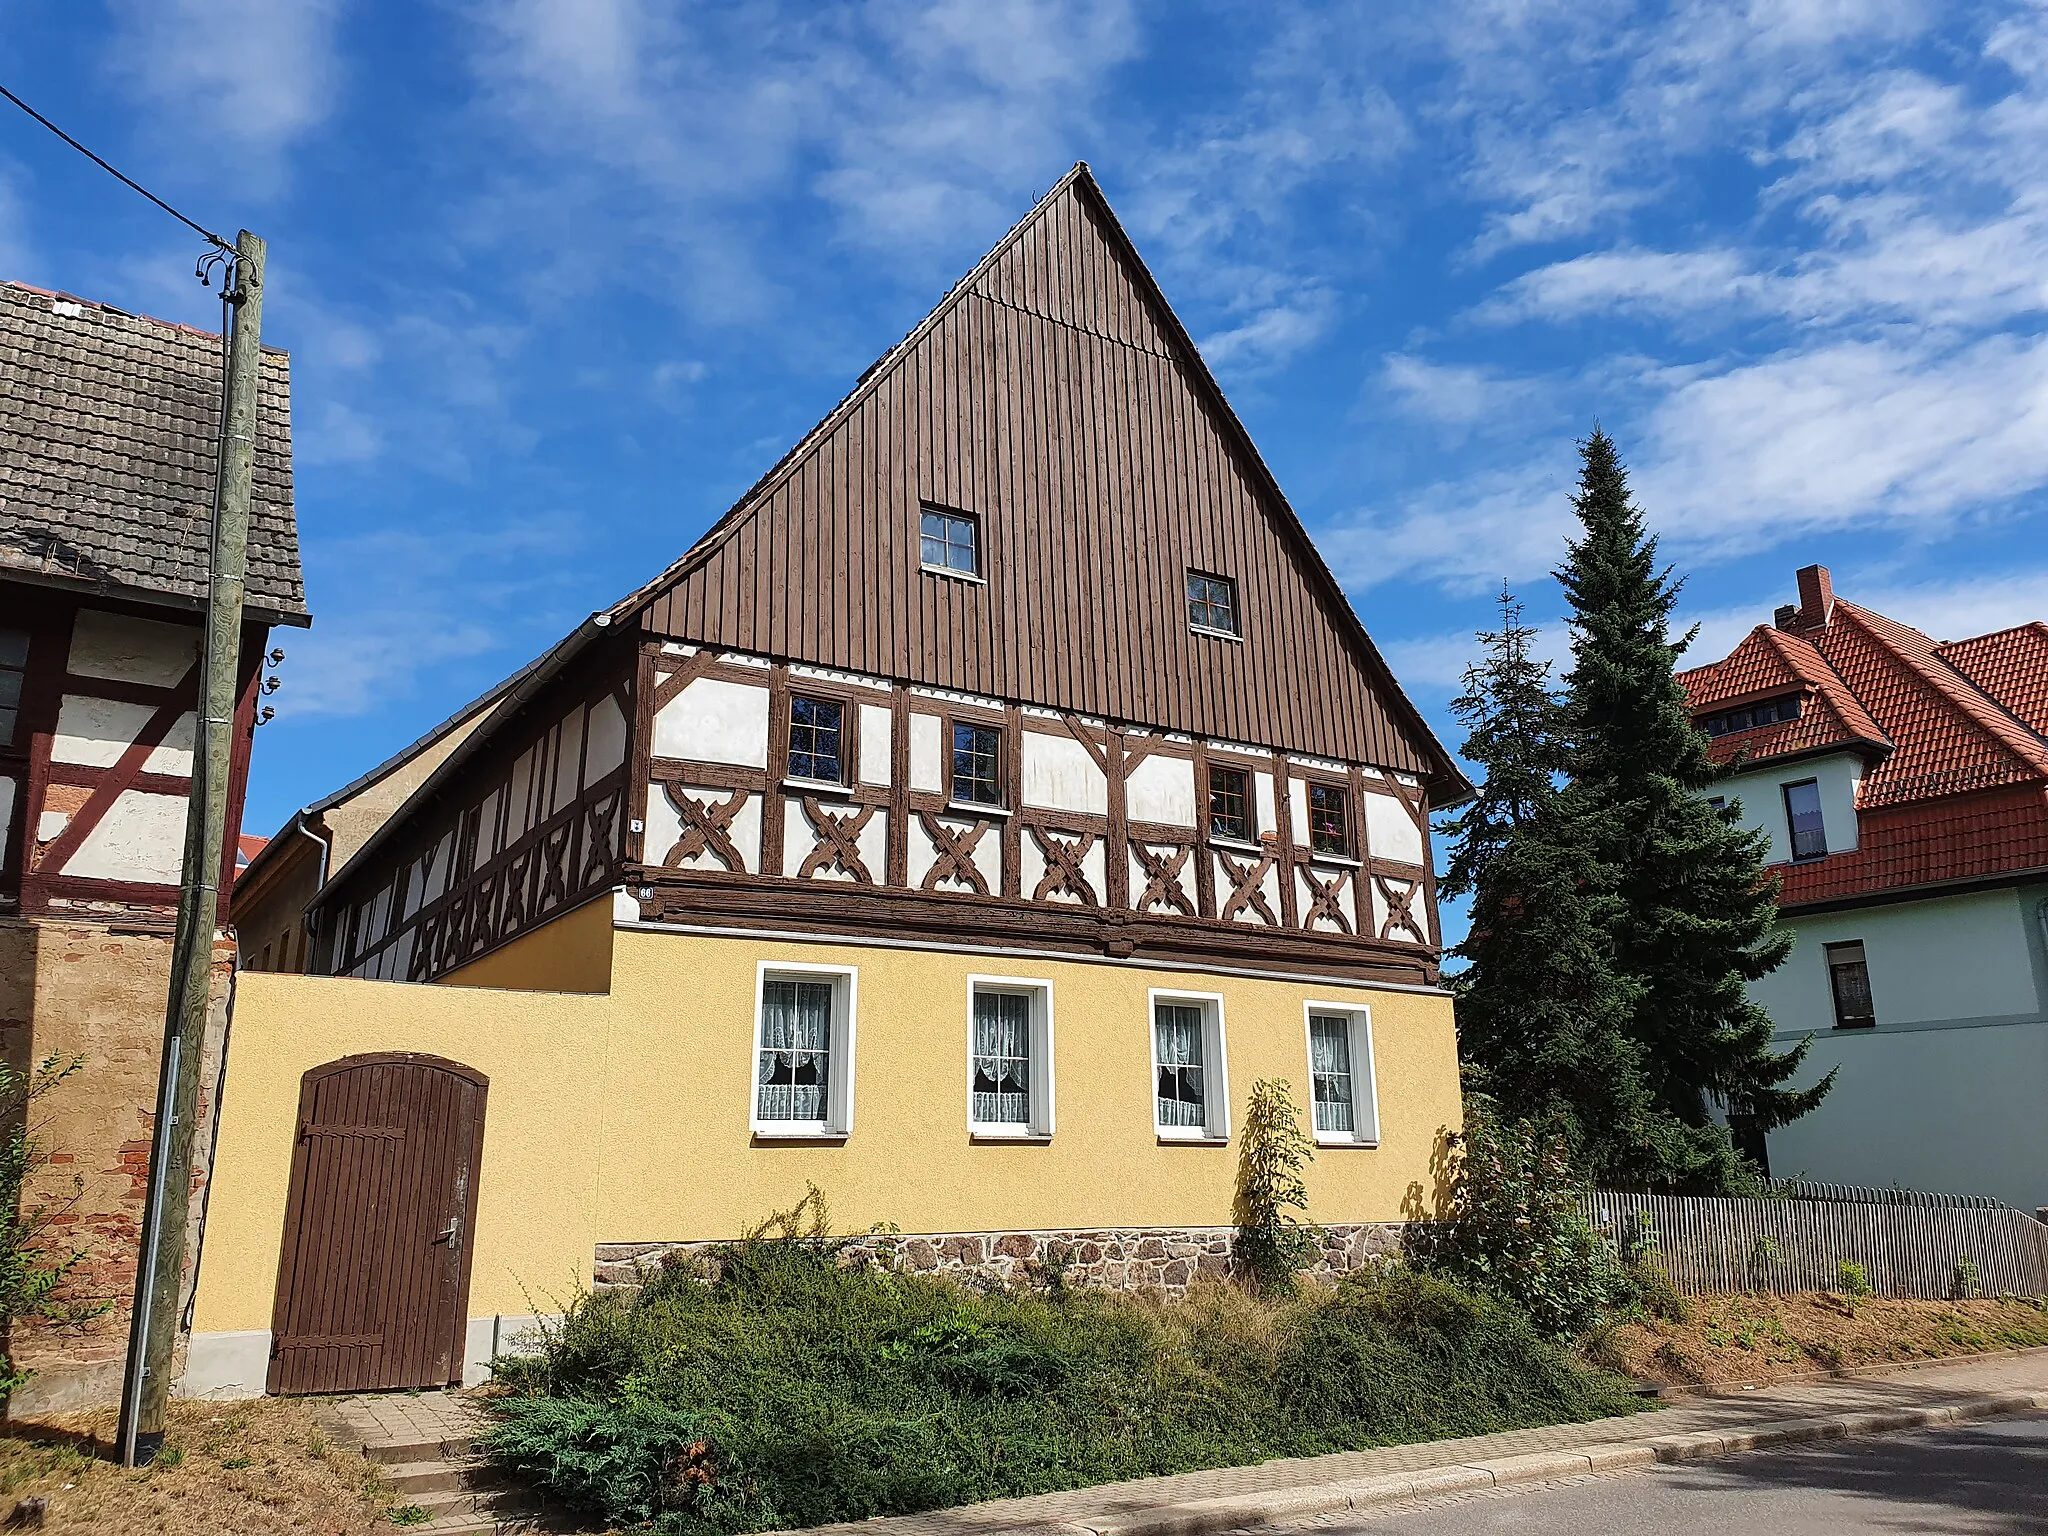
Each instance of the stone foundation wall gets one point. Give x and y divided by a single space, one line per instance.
1123 1258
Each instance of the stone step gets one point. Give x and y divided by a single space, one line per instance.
391 1452
474 1503
440 1476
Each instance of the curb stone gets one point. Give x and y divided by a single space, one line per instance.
1209 1517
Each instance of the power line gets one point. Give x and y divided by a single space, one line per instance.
127 181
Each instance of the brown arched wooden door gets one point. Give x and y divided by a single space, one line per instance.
373 1282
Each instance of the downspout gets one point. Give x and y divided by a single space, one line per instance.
325 843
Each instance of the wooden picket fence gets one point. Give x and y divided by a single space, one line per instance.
1795 1239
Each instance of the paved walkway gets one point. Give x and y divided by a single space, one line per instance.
1166 1504
382 1424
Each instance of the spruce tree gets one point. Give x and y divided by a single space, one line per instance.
1696 917
1543 1015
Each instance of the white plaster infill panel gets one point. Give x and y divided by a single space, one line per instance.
987 857
8 792
607 747
1390 830
1031 865
93 733
1161 789
927 756
129 650
1060 775
1184 881
140 839
1269 817
665 828
876 744
1418 909
715 721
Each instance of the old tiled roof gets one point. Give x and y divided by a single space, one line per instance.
1956 735
2011 666
107 429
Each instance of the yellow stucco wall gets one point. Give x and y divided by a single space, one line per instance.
624 1117
571 954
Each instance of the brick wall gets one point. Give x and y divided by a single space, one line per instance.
97 988
1125 1258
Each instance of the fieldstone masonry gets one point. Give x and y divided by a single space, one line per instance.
1122 1258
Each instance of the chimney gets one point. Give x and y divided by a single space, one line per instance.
1786 617
1816 597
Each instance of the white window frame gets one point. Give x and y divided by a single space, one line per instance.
1365 1090
1040 1126
1215 1067
838 1122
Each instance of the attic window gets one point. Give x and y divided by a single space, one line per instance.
1770 712
13 664
949 542
1212 604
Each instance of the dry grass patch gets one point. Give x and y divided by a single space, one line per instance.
254 1468
1764 1337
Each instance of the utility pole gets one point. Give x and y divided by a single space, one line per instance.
153 1328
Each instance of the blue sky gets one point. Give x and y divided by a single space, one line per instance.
560 278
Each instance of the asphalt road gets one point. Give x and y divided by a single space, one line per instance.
1985 1479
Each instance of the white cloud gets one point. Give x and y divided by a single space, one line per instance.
1456 395
1436 663
1602 282
256 73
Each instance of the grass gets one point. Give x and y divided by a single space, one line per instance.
793 1390
257 1469
1765 1337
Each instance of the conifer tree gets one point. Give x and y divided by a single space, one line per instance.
1696 916
1543 1015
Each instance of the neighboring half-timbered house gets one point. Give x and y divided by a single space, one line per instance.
107 429
1007 748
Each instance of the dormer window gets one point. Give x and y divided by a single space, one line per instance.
1748 718
1212 604
950 542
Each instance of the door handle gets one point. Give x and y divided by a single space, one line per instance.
452 1233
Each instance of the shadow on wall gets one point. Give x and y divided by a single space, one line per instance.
1434 1204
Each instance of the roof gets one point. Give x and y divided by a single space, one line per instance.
1954 732
1058 335
247 846
108 423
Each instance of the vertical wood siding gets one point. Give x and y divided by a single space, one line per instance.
1047 400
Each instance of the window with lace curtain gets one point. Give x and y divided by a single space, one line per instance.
1191 1088
803 1054
1009 1067
1340 1074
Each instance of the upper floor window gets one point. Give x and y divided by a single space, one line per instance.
1849 980
13 664
1212 603
977 764
815 739
1748 718
950 541
1329 827
1802 815
1230 805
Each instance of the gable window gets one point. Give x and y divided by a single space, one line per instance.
1849 980
1803 818
1329 827
1191 1089
1009 1057
1212 603
1230 805
1340 1075
803 1052
977 764
1770 712
13 666
815 741
949 541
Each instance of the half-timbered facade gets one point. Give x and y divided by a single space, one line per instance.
107 427
964 824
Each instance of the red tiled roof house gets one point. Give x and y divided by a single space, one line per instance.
1903 783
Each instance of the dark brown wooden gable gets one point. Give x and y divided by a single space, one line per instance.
1055 397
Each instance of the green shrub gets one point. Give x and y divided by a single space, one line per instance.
1273 1243
786 1384
1968 1283
1651 1290
1516 1230
32 1268
1851 1280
